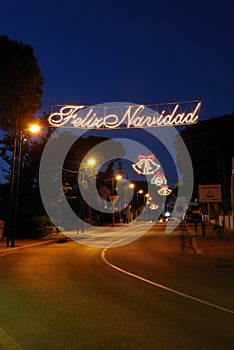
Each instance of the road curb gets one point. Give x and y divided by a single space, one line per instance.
12 250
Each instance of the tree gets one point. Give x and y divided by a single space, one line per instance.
211 148
103 154
20 84
20 97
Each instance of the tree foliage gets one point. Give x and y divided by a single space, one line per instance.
97 150
20 84
211 147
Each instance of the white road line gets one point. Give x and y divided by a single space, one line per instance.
8 342
168 289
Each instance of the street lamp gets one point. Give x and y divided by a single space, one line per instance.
138 192
91 162
84 185
114 197
146 197
127 190
34 128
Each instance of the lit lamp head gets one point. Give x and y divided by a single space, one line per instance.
91 161
35 128
118 177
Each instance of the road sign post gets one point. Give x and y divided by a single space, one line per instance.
210 193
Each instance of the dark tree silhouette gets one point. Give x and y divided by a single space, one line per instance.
20 84
211 147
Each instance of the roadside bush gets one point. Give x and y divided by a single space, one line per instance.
43 225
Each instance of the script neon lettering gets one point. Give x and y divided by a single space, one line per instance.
132 118
179 118
111 121
168 118
150 121
127 118
86 119
192 117
98 122
65 114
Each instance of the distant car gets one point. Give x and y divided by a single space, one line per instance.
163 219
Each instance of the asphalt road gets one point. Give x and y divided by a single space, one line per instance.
69 296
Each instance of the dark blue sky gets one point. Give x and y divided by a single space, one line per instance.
143 52
128 50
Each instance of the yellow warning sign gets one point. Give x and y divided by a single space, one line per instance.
210 193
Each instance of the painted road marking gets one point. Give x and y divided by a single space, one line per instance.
161 286
8 342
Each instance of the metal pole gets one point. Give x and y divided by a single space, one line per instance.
113 215
17 190
232 191
12 193
83 209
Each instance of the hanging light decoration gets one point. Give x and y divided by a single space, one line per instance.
153 206
164 191
146 165
159 179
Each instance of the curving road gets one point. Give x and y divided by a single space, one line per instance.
144 295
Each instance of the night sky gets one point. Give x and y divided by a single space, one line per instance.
143 52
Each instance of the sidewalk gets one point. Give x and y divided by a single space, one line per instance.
212 245
23 243
219 247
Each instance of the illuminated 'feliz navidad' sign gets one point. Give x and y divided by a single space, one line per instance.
118 116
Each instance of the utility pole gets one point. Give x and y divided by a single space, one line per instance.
232 192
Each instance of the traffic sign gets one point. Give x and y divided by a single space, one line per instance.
210 193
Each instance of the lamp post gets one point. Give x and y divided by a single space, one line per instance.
146 198
126 190
114 197
138 192
15 186
232 190
84 185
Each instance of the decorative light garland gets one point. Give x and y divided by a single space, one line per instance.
147 166
159 179
129 116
